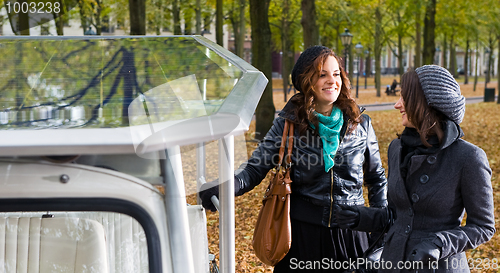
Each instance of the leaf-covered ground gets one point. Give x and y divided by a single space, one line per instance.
481 126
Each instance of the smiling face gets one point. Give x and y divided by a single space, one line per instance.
327 86
400 105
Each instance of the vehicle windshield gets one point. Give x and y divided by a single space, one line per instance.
92 83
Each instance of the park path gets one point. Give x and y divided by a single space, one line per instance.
390 105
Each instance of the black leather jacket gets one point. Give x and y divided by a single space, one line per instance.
314 191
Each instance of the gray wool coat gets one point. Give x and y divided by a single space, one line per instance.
431 206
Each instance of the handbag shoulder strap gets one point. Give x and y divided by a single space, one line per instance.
287 133
288 157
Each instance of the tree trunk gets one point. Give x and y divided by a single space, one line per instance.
159 17
338 43
418 37
207 21
400 55
24 21
466 61
219 21
176 16
58 18
129 82
445 51
188 22
137 11
236 31
489 70
368 67
240 48
429 32
351 64
261 59
368 64
488 61
188 27
18 70
83 17
98 25
453 57
476 62
198 17
285 46
290 61
453 60
378 48
309 28
498 69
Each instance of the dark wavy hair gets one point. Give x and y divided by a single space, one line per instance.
426 119
306 99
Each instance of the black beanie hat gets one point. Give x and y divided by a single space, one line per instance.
305 59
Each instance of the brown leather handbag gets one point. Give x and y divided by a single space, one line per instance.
272 236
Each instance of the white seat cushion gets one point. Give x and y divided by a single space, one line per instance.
34 244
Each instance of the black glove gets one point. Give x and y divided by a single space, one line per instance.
210 189
426 251
347 216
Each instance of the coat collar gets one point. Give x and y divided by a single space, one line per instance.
452 132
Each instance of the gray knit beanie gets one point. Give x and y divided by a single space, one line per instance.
442 91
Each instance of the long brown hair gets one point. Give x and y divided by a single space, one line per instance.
426 119
306 100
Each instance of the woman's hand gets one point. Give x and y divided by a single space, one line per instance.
347 216
209 189
425 251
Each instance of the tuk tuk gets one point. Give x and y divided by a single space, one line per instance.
94 130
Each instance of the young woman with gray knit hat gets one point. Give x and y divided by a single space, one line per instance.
335 151
434 177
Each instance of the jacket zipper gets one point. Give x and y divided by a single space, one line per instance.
331 199
331 186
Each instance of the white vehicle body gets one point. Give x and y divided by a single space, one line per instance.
92 180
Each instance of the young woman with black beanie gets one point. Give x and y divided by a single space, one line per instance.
335 151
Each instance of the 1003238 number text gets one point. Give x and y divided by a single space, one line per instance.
472 263
33 7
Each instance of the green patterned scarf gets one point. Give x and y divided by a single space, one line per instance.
329 131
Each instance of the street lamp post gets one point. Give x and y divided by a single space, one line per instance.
367 53
359 50
346 39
